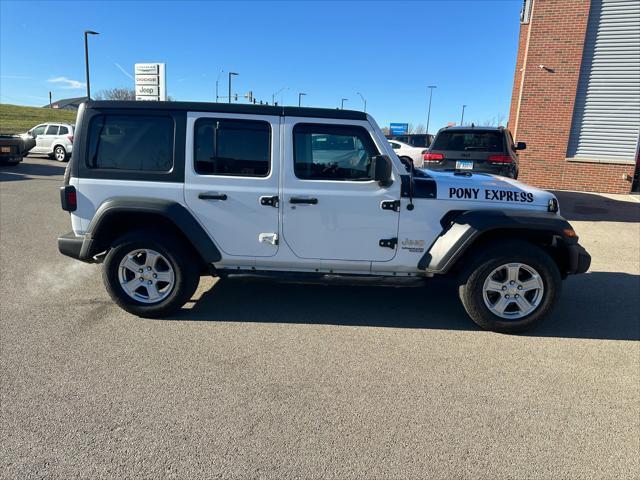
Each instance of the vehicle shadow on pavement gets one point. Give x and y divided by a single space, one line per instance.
24 171
596 208
598 305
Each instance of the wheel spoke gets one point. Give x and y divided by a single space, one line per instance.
152 292
131 264
501 305
494 286
523 304
533 283
164 277
131 286
151 259
513 271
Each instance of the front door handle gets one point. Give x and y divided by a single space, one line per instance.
212 196
298 200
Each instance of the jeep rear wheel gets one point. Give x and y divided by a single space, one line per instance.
510 287
150 274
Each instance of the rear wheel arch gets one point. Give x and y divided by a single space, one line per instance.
117 217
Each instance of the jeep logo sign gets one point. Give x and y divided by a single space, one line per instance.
150 81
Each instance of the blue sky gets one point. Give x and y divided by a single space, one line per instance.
388 51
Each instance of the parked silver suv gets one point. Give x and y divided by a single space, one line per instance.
53 139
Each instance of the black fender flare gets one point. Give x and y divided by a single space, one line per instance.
171 210
460 234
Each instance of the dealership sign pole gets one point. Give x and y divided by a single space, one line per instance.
151 81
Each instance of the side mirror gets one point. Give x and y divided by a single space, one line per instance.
382 170
521 146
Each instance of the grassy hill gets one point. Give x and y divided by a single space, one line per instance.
16 119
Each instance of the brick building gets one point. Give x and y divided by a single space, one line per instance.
576 94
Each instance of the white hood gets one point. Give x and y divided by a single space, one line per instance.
490 190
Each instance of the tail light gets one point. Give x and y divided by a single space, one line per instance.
69 198
433 157
70 138
500 159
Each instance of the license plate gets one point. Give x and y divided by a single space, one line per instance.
464 165
6 150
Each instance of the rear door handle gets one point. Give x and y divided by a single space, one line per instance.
298 200
212 196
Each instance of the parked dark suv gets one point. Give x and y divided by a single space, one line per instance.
475 149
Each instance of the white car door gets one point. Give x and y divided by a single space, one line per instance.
231 180
38 133
46 140
331 207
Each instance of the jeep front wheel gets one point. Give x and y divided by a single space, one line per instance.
510 287
150 274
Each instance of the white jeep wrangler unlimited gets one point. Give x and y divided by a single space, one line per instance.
163 192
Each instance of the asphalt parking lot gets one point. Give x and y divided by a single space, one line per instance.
263 380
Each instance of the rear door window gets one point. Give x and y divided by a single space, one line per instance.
131 142
469 141
232 147
63 130
52 130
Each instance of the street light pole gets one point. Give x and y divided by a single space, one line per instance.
430 87
230 74
217 81
300 98
462 118
86 59
342 103
363 101
273 96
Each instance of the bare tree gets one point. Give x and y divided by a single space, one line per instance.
410 128
119 93
386 130
419 128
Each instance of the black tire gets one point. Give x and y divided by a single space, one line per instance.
60 154
471 284
184 262
407 162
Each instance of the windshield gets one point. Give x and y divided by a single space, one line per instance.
469 141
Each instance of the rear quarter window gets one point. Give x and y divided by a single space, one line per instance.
469 141
131 142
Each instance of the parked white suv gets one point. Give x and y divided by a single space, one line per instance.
53 139
162 192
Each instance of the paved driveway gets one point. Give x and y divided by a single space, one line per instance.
260 380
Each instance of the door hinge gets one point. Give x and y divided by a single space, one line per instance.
388 243
390 205
269 201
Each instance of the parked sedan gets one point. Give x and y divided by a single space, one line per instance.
408 153
474 149
53 139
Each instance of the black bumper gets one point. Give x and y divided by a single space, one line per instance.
579 259
71 245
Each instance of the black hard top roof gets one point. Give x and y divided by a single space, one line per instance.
474 127
230 108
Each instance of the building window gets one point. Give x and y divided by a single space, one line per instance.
525 13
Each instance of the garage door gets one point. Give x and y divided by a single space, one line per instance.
606 121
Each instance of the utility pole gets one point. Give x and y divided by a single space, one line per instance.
230 74
342 103
50 105
300 95
363 101
430 87
273 96
462 118
86 59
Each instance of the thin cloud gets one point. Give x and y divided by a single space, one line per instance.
123 70
67 82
